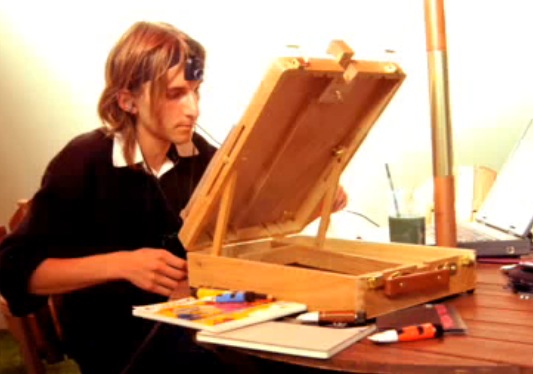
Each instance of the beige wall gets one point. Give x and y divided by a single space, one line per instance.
52 57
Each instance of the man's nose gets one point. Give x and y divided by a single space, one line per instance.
191 104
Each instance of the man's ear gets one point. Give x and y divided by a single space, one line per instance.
126 101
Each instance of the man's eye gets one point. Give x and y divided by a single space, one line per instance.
175 94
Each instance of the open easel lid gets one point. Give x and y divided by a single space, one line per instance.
305 122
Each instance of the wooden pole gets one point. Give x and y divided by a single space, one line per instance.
443 179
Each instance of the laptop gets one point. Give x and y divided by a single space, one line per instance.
502 225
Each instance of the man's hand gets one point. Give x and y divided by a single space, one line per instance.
341 200
154 270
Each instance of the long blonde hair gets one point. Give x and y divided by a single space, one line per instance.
144 53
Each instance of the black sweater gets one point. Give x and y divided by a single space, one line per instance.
86 206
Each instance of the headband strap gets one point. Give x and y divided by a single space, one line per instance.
194 69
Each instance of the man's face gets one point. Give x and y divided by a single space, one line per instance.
178 111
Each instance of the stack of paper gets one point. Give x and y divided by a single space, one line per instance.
290 338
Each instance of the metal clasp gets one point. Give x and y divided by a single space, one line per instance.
301 59
375 282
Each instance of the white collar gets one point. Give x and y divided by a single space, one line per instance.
119 161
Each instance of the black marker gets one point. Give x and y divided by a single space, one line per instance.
340 318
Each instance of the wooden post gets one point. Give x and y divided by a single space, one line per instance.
329 198
226 203
444 185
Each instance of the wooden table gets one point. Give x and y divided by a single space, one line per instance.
499 339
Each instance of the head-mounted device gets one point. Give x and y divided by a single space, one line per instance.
193 69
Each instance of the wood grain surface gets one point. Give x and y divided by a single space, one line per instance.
499 339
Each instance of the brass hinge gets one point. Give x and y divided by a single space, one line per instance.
467 261
376 281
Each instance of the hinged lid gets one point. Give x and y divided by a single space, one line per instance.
303 125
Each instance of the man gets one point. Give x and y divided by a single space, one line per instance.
102 229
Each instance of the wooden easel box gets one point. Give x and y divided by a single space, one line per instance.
274 172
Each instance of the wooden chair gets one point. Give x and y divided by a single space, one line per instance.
38 334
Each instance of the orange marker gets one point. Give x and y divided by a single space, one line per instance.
409 333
